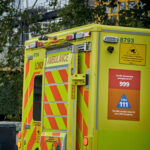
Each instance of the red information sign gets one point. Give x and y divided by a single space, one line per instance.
124 95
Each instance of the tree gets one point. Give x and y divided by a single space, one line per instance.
11 57
79 12
137 15
10 94
14 22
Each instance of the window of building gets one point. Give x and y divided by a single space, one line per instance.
114 19
37 98
107 10
114 10
122 6
62 3
132 4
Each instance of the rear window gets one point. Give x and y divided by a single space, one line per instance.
37 98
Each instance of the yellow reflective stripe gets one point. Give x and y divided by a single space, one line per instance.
54 108
46 123
29 104
60 123
26 112
65 105
49 94
79 137
83 108
63 92
29 134
57 76
55 111
84 112
28 80
45 82
82 104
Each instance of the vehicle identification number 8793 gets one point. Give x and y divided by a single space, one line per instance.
126 40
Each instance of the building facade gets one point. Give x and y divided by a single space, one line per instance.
48 10
113 13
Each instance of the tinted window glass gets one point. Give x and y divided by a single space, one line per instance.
37 98
122 6
114 10
132 4
114 19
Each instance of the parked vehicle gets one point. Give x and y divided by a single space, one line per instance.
87 88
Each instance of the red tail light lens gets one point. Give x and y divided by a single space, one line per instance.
69 38
39 44
19 135
54 41
85 141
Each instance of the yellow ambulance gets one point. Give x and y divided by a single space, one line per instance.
87 88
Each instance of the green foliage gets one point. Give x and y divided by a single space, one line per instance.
77 13
137 16
13 23
10 93
100 15
11 58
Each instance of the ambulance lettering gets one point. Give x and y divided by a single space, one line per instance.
58 59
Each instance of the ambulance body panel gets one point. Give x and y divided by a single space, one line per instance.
87 88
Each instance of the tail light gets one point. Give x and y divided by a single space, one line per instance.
70 37
39 44
54 41
85 141
19 135
19 144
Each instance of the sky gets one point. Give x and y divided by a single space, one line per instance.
30 3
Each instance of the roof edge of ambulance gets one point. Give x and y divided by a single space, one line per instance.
121 29
92 28
88 27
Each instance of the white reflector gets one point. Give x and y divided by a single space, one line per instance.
86 34
27 46
33 45
110 39
79 35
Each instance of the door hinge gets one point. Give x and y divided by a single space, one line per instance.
85 47
79 79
